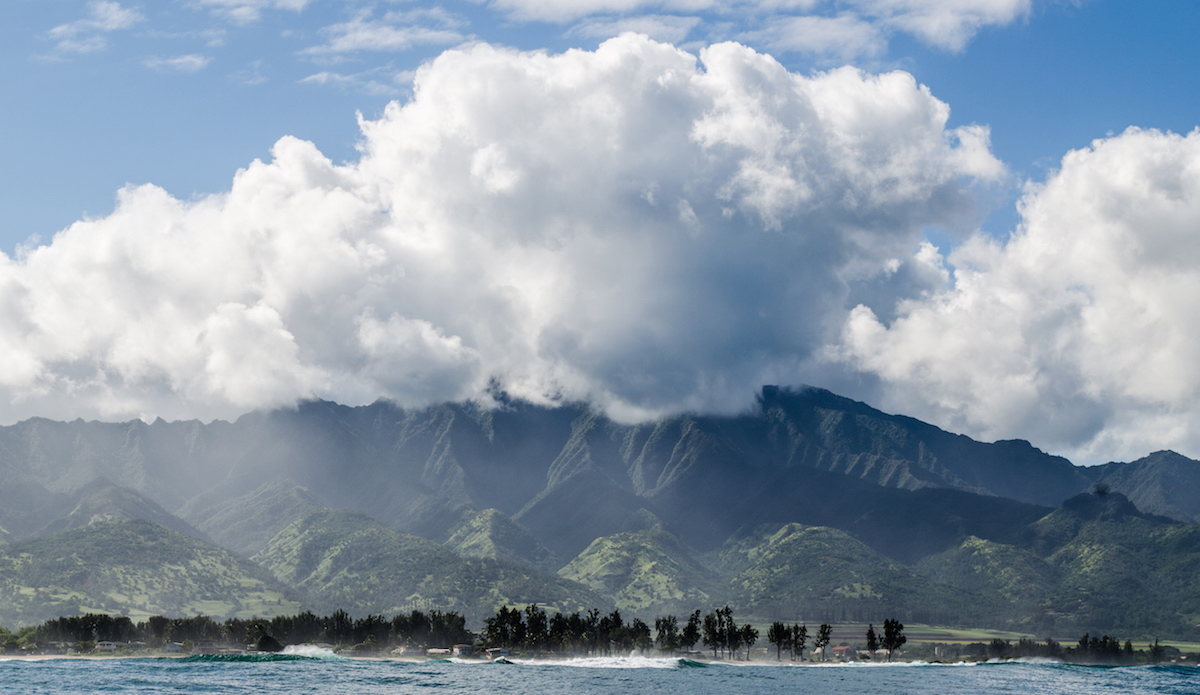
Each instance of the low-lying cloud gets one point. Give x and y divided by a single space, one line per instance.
633 225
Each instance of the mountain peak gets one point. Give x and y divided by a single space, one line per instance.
1102 505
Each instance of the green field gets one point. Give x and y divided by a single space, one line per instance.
856 633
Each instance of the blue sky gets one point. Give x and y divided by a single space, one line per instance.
82 124
196 223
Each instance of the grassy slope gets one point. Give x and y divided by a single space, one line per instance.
1121 567
247 523
644 573
135 566
492 535
101 500
347 560
796 572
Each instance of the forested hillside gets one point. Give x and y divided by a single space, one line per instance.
810 507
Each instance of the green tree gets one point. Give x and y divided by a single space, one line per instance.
778 634
798 641
640 632
536 632
711 633
893 636
749 637
872 639
1156 652
691 632
824 633
733 640
667 634
267 643
728 631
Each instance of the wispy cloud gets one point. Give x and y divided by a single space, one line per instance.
251 75
843 38
381 81
842 29
670 28
395 31
88 35
193 62
247 11
212 37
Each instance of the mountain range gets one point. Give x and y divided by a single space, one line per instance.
809 507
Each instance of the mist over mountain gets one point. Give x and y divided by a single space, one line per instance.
810 506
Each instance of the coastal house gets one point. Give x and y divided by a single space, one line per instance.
107 647
463 650
408 650
205 647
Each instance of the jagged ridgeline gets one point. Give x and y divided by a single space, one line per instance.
810 507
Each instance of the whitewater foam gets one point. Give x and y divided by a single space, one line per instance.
614 662
310 651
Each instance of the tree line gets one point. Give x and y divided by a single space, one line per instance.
533 630
794 638
1088 650
593 633
373 632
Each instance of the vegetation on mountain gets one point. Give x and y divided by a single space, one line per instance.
811 507
642 572
135 567
246 523
795 571
1162 483
493 535
344 559
101 500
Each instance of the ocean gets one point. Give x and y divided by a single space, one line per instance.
327 674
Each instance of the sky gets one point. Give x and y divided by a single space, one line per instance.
981 213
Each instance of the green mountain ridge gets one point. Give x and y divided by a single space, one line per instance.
131 566
492 535
345 559
820 574
644 572
812 504
101 500
245 524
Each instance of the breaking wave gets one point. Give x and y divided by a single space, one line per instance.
614 662
311 651
298 652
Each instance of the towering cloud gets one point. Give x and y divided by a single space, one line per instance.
1081 331
632 225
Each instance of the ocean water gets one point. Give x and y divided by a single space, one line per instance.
325 674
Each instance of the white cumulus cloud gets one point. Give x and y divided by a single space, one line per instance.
1080 331
635 225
